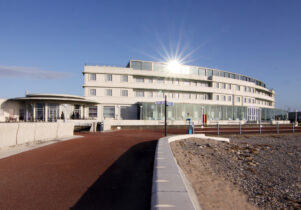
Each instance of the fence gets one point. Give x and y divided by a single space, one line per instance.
245 129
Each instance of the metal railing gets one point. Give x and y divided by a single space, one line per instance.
241 129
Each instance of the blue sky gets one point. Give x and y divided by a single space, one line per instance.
45 44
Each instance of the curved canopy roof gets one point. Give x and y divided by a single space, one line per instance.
54 98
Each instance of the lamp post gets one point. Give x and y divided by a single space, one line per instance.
202 116
296 118
165 118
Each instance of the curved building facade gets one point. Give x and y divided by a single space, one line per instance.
136 92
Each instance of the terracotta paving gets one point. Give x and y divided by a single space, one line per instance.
110 170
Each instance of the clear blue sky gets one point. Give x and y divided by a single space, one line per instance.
45 44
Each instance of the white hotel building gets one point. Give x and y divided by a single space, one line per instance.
131 93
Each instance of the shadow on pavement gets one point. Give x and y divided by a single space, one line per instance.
127 184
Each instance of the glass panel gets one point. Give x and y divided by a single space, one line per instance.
53 112
109 112
202 72
209 73
194 70
92 76
124 78
136 65
39 112
93 111
147 66
160 67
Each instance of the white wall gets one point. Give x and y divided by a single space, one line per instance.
20 133
9 109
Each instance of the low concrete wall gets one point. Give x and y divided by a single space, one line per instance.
45 131
20 133
65 130
26 132
8 133
170 187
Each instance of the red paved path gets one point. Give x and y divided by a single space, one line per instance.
86 173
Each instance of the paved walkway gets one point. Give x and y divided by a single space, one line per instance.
111 170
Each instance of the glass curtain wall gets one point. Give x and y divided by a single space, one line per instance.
53 112
40 112
153 111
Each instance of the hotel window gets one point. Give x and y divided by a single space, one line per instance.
150 80
149 94
249 89
237 87
209 73
160 81
108 92
160 94
223 85
216 85
92 92
245 99
186 83
139 93
124 78
109 112
245 89
217 97
237 99
202 72
139 79
124 93
215 73
249 100
229 86
109 77
175 81
93 111
175 95
92 77
187 95
229 98
201 96
223 98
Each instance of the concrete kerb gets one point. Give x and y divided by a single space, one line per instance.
171 189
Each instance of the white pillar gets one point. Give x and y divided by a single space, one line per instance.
46 113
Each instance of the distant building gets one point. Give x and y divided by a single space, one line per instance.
45 107
135 92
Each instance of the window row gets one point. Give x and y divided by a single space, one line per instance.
193 70
109 92
174 95
140 79
228 86
108 77
223 98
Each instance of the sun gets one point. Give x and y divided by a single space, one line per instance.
174 66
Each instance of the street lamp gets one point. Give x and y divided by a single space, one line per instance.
296 118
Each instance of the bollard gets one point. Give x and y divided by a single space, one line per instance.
259 128
293 127
239 128
277 128
218 129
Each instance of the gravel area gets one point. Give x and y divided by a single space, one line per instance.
265 168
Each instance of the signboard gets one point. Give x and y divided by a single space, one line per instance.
169 103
